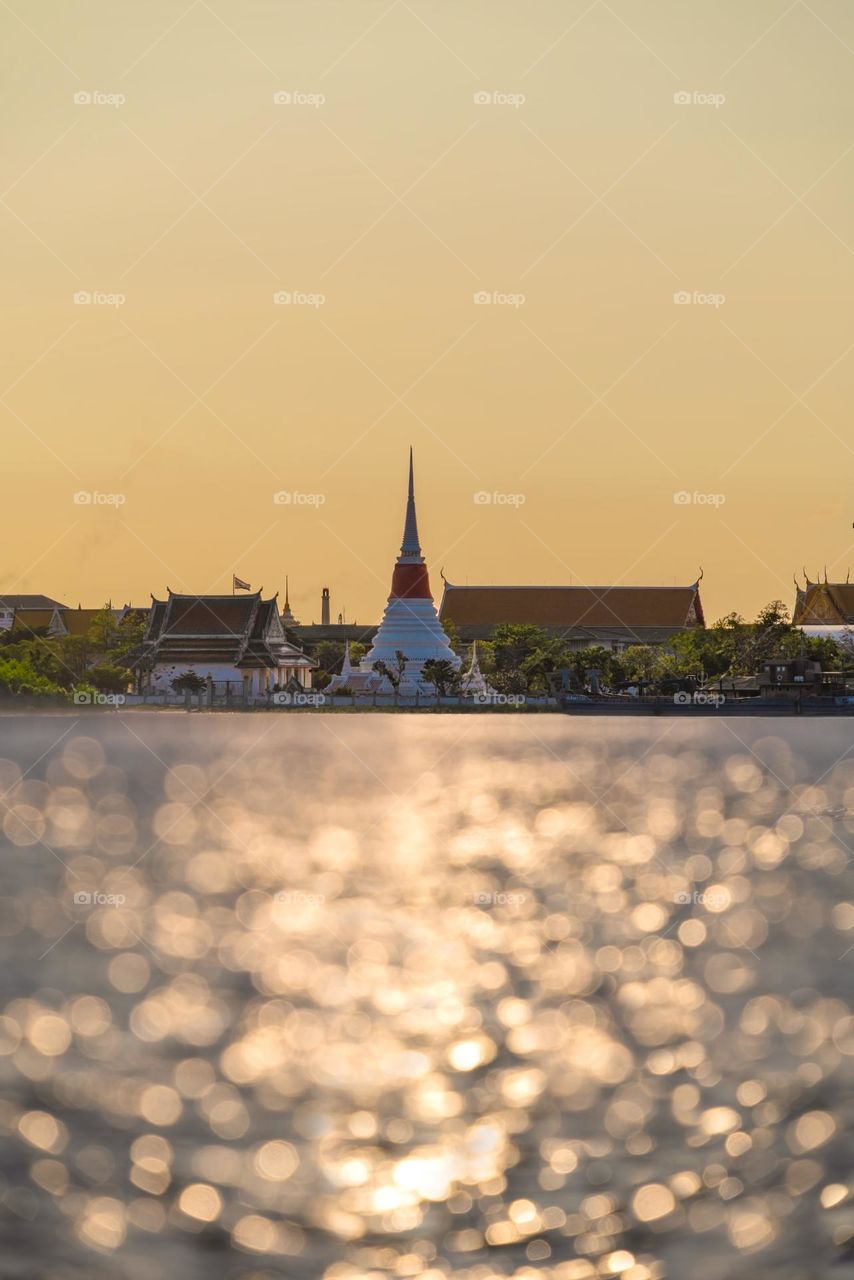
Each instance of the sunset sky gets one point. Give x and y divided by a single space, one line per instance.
582 196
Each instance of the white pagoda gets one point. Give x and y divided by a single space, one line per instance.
473 682
410 623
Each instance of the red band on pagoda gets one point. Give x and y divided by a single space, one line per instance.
411 581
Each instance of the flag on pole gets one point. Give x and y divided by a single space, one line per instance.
237 584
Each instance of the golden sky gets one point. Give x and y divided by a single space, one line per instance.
580 162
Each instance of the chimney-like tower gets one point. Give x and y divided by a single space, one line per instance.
324 607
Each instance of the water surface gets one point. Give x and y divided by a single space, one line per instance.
355 997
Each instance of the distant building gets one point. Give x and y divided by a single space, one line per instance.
288 619
59 621
824 608
237 641
10 604
610 617
324 607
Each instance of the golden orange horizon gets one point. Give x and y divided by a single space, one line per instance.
588 261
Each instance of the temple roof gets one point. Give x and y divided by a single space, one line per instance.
244 630
78 621
824 604
207 615
617 607
29 602
31 620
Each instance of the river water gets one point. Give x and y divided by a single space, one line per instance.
356 996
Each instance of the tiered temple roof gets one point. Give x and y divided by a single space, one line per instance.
824 604
243 631
636 614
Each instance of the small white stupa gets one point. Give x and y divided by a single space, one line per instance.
353 678
474 683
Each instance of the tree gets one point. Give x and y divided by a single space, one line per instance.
128 634
330 655
394 674
523 658
102 629
74 654
107 678
18 676
188 681
450 629
512 646
442 674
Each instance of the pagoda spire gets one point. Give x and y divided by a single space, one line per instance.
287 617
410 546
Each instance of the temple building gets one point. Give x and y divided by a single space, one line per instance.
586 617
58 621
410 624
824 608
236 641
10 605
